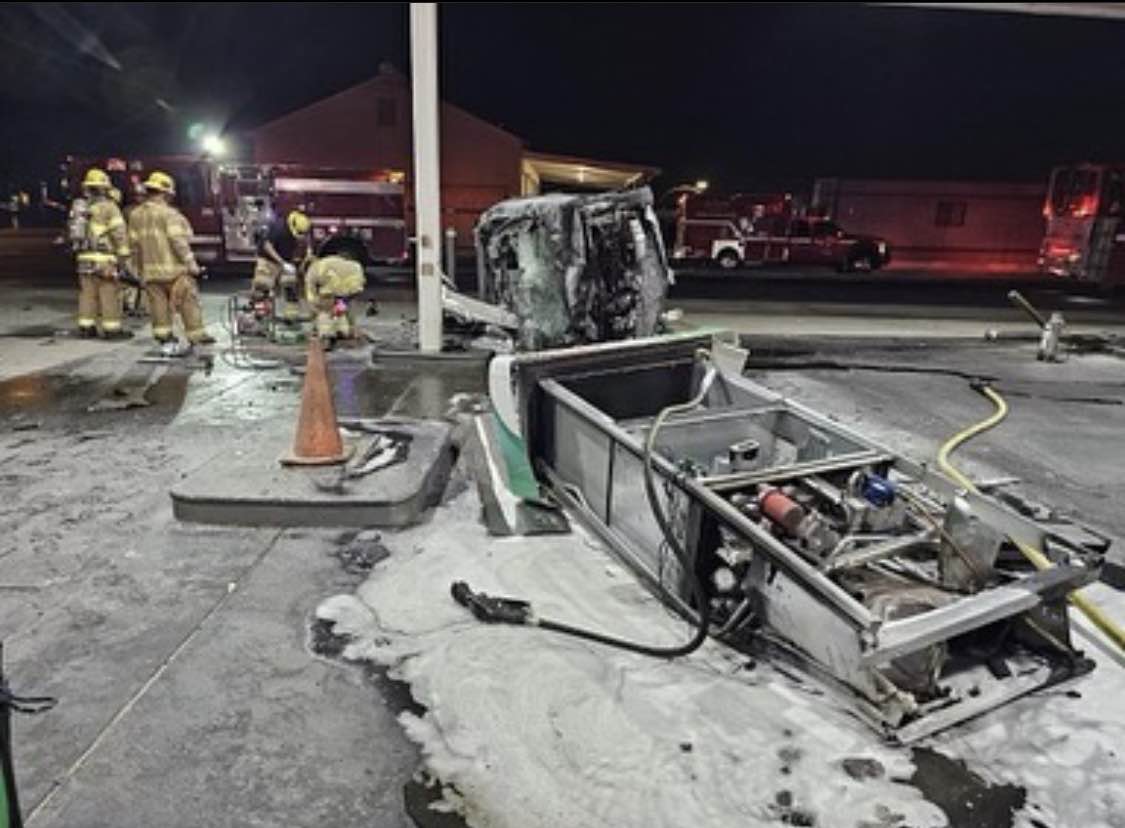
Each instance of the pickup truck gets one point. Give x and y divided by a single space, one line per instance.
798 241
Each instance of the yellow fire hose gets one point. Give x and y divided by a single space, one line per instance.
1091 610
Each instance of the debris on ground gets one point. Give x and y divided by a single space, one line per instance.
120 399
861 768
387 446
358 552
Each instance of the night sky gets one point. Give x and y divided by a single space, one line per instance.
746 96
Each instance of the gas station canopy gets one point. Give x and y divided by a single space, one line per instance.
582 173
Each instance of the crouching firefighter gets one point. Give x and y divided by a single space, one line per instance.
101 244
281 243
160 236
331 283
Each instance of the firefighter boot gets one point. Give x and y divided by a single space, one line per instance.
88 305
185 300
109 308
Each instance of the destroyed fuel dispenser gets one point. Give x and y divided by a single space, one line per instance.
880 577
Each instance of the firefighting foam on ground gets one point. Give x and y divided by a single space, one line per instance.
369 460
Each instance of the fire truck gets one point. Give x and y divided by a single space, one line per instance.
1085 236
759 229
227 204
703 221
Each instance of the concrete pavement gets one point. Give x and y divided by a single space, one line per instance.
187 691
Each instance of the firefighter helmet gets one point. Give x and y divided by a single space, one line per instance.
115 195
161 182
298 222
96 180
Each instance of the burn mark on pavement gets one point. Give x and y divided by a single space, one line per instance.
967 799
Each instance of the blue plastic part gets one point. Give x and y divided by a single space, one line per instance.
878 491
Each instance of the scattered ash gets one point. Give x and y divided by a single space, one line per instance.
358 552
785 812
323 639
860 768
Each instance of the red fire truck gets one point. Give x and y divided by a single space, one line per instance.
1085 237
227 204
703 221
756 229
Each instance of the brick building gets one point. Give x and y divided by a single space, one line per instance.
369 126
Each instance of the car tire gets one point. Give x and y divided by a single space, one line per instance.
862 262
728 259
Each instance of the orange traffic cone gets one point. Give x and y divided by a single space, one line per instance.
318 440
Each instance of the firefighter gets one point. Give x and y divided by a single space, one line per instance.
279 245
331 283
130 290
101 244
160 237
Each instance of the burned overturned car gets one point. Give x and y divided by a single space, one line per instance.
574 269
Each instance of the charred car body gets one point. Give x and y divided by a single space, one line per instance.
574 269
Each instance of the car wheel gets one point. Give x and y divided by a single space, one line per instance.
728 260
863 263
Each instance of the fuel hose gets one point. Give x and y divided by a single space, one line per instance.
1092 611
515 611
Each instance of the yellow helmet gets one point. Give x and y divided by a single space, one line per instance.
115 195
298 222
161 182
96 180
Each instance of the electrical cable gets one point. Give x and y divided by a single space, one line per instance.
1040 561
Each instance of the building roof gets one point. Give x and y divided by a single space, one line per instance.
388 75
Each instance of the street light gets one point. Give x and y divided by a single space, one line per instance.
213 145
681 190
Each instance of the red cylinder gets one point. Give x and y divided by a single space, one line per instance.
781 509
